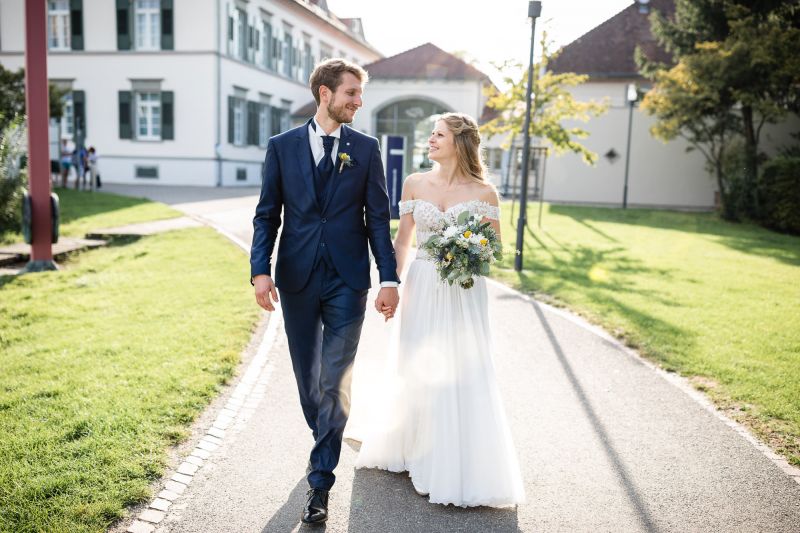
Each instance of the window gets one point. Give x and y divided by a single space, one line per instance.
68 118
147 19
148 116
308 60
58 28
238 121
147 172
288 52
285 118
263 125
268 52
241 32
241 174
325 52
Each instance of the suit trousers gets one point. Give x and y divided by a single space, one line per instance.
323 326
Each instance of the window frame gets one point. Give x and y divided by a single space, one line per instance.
153 124
62 40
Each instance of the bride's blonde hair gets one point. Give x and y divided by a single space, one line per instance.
468 144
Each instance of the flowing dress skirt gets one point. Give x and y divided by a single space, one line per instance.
439 415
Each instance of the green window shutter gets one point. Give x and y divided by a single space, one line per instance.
277 113
79 115
167 115
76 23
167 39
124 26
125 115
231 102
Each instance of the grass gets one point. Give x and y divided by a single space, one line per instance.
716 301
106 363
83 211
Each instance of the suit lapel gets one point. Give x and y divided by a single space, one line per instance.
304 159
347 143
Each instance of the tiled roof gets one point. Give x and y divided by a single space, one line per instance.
424 62
607 51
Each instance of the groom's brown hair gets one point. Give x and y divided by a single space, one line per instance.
329 73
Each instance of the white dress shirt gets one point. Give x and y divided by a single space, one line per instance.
318 151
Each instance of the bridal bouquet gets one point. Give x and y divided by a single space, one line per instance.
464 250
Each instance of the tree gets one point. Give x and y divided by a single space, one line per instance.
552 105
12 97
731 57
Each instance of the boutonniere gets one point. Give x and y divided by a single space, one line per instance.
345 161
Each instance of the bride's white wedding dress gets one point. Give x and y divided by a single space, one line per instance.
439 415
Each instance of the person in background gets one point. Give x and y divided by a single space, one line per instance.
66 162
94 175
79 160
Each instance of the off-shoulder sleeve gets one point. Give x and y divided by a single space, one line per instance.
406 206
491 211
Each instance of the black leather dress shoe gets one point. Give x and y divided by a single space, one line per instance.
316 508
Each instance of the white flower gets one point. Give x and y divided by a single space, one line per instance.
451 232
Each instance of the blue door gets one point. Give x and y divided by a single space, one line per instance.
393 148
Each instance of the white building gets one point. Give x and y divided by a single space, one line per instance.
659 174
183 91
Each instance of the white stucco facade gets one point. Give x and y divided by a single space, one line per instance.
202 70
660 174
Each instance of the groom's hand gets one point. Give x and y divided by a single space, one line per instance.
265 289
387 297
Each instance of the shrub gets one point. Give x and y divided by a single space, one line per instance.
779 194
13 175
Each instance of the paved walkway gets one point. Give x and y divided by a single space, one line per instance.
607 442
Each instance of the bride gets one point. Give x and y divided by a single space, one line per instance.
440 416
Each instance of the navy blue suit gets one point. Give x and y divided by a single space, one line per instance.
323 270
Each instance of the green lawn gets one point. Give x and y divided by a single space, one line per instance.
715 301
107 362
83 211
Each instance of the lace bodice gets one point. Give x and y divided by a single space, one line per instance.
430 219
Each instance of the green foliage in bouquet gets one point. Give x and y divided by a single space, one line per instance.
464 250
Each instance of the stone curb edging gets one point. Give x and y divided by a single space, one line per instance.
242 403
672 377
240 406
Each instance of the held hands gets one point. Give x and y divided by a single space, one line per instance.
265 289
386 302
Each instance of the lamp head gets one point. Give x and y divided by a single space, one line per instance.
534 9
632 93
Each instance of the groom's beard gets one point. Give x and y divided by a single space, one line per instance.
339 114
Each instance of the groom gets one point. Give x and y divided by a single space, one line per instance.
328 179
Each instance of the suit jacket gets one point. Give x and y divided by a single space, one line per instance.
354 212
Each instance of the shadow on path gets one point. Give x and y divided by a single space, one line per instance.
385 501
618 465
287 518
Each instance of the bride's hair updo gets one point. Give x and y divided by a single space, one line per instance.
468 144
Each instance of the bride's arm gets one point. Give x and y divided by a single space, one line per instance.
490 196
402 241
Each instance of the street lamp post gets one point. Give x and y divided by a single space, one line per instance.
534 10
631 95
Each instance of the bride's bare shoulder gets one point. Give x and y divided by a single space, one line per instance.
414 182
487 192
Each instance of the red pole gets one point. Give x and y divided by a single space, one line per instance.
38 106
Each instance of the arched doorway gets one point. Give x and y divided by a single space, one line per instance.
413 119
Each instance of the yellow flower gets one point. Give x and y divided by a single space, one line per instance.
467 234
344 157
449 256
484 242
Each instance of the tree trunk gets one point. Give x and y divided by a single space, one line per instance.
751 162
